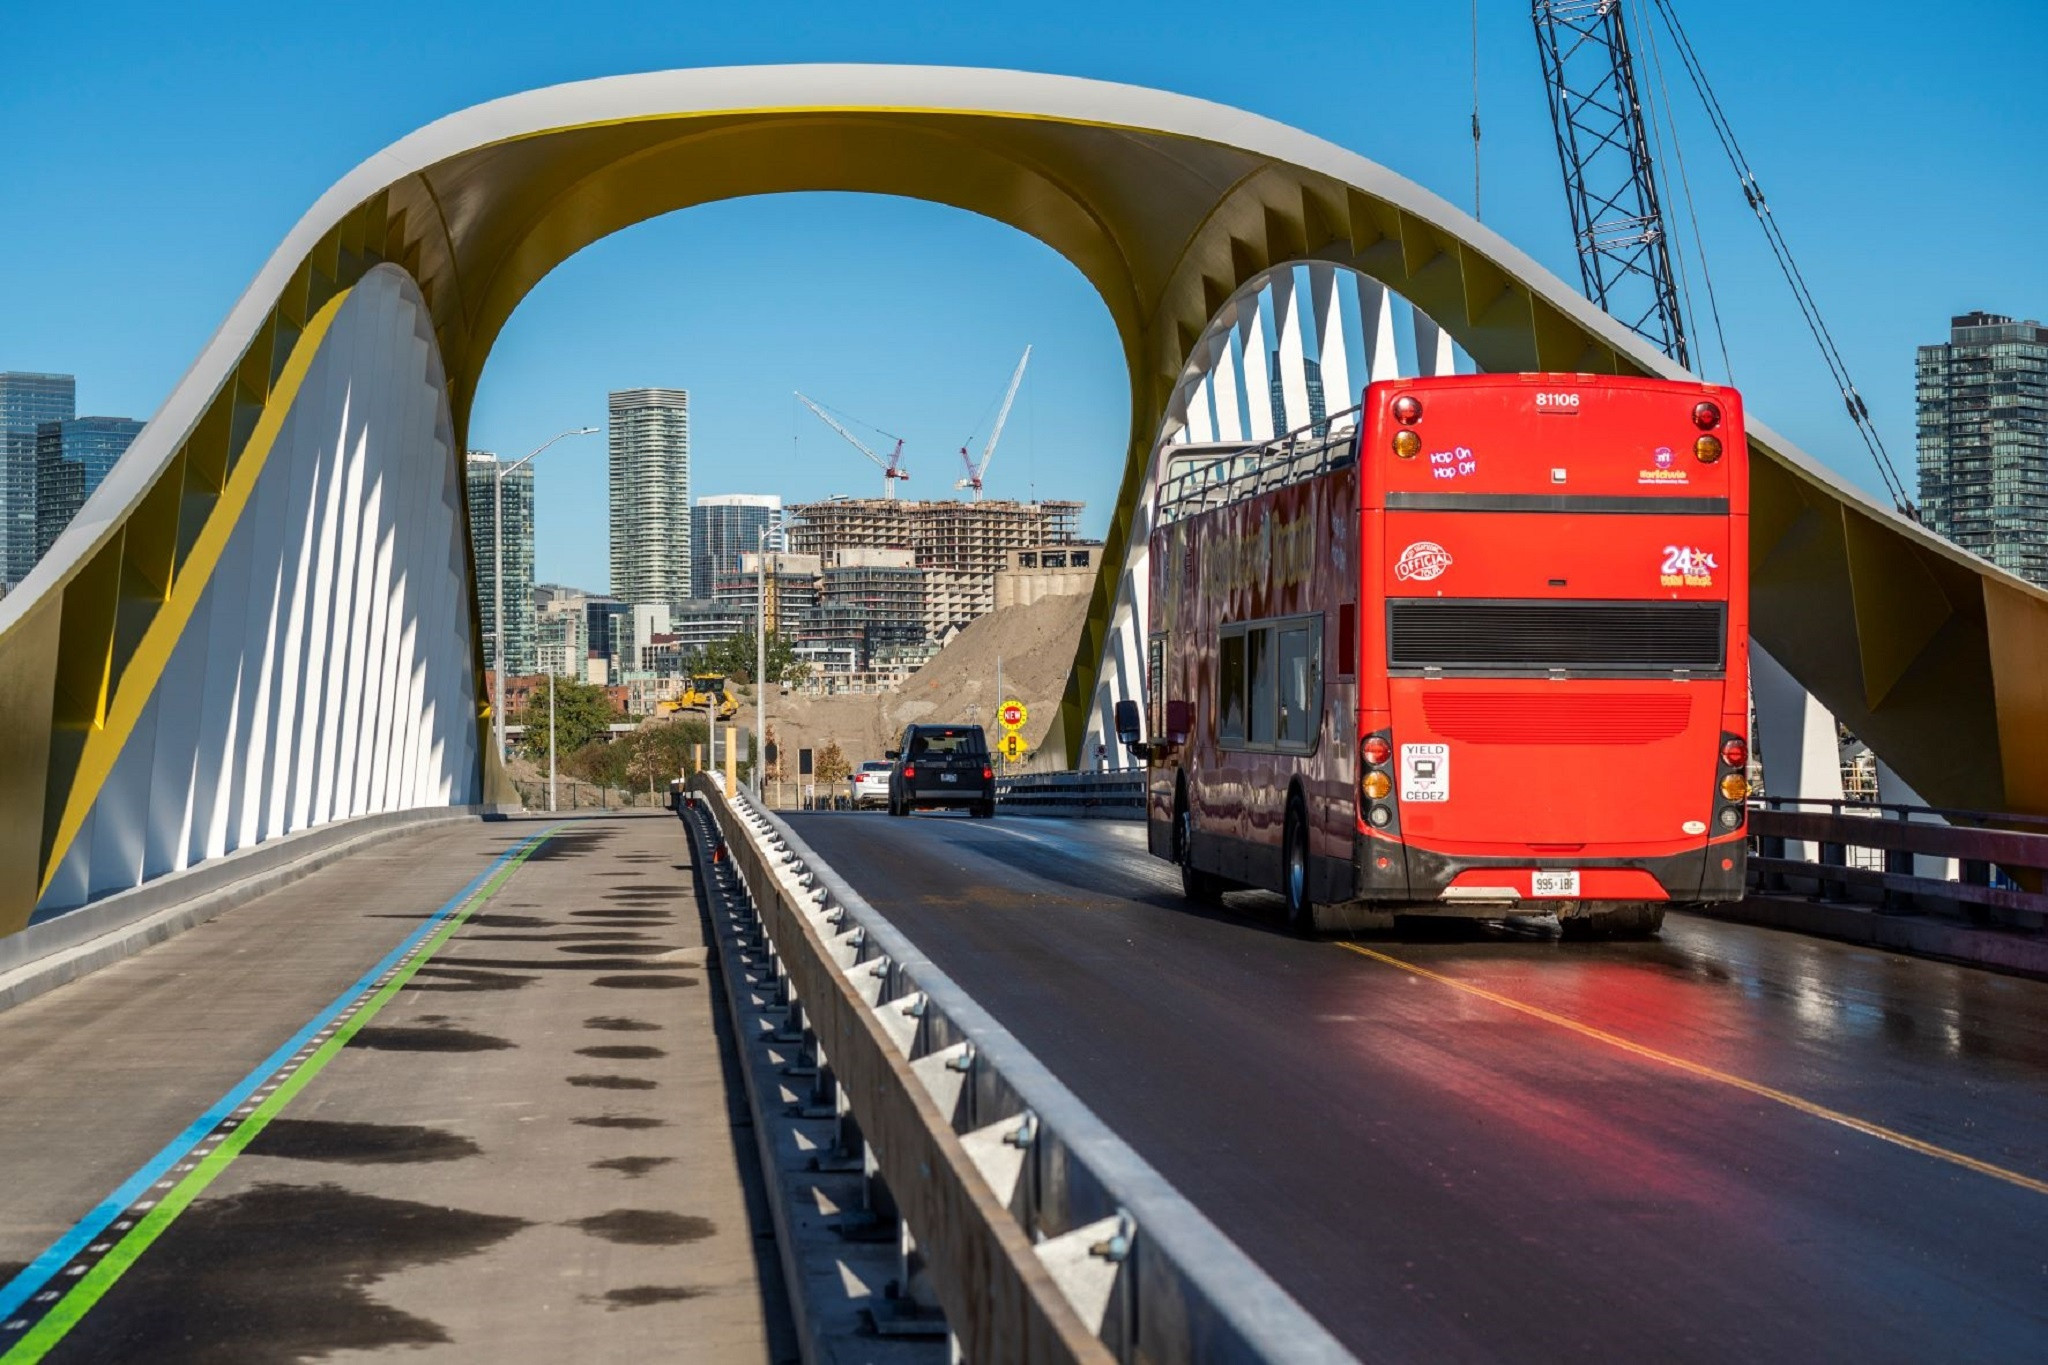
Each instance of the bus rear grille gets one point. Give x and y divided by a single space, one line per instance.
1534 718
1464 636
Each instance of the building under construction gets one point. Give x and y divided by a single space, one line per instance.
972 537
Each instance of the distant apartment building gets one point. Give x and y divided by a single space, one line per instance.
725 526
649 435
27 400
960 546
561 631
515 507
1982 400
791 585
1047 571
72 459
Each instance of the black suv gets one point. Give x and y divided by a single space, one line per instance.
942 765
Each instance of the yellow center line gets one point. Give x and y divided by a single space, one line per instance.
1704 1072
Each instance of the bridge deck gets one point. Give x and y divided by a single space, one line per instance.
523 1152
1495 1146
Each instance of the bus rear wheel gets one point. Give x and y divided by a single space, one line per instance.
1294 883
1642 920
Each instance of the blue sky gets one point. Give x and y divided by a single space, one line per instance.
156 154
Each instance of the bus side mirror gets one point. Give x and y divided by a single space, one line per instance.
1129 730
1179 724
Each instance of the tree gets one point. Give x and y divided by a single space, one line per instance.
602 763
734 657
832 765
583 713
660 750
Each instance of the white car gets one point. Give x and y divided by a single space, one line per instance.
871 784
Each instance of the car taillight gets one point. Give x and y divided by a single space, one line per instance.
987 772
1735 753
1377 750
1706 416
909 770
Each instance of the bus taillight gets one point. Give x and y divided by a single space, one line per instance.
1375 786
1735 753
1408 410
1377 751
1408 445
1734 787
1707 449
1706 416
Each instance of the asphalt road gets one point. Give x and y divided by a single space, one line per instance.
1730 1143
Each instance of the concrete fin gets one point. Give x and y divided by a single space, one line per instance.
1900 606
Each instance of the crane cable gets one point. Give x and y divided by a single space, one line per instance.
1859 411
1685 186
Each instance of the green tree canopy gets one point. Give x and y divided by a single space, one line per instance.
831 764
583 714
734 657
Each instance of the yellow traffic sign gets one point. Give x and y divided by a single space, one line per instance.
1012 714
1012 746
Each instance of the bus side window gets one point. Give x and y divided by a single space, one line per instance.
1301 687
1230 690
1265 702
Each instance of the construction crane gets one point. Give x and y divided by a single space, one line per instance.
975 471
1610 179
892 468
1610 182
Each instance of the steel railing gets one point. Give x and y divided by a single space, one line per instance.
1043 1236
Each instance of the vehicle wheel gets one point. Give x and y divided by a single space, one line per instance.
1641 920
1198 886
897 807
1301 914
984 810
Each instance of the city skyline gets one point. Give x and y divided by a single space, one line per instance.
910 316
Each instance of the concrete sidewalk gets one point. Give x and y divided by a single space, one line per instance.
527 1154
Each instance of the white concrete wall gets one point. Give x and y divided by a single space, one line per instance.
326 672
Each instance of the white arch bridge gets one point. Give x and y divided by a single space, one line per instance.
264 619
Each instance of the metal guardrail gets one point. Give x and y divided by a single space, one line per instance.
1997 858
1042 1235
1112 795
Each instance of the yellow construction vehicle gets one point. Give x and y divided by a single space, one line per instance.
704 692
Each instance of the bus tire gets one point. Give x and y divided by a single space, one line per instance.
1294 872
1198 886
1642 920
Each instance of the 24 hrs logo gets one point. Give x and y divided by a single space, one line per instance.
1686 566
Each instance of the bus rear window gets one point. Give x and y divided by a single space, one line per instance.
1457 636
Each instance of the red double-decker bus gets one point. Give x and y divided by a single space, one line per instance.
1484 655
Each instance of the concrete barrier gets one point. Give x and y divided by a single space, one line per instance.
1040 1234
67 946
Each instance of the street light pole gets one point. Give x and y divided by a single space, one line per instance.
551 744
761 661
498 601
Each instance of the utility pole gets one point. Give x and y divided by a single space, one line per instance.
551 744
761 663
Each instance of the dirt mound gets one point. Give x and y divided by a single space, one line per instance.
1036 646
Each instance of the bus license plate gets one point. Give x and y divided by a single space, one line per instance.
1554 884
949 777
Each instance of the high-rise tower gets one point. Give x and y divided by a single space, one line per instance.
725 526
1983 438
26 402
484 502
72 459
649 435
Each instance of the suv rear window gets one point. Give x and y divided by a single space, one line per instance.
963 739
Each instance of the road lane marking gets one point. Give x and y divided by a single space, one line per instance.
1705 1072
37 1315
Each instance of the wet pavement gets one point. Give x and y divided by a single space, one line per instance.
517 1145
1484 1143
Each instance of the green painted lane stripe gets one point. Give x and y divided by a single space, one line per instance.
93 1286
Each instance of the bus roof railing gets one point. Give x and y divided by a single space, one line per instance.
1238 472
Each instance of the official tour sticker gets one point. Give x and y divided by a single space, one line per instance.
1422 561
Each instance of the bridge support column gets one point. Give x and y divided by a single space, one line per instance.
1797 741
